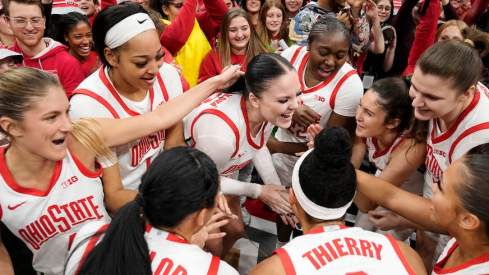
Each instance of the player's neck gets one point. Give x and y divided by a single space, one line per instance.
386 139
470 246
306 227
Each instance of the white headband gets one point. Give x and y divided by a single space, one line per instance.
127 29
310 207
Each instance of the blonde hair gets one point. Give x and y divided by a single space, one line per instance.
254 47
262 30
20 88
88 132
457 23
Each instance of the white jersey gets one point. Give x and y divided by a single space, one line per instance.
97 97
380 159
477 266
341 250
85 240
470 130
171 254
47 221
230 109
341 93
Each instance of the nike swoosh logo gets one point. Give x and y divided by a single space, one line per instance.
141 22
14 207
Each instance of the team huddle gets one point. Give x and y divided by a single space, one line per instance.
143 166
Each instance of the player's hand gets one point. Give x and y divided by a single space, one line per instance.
312 132
177 67
304 116
223 206
385 219
229 75
270 195
204 234
290 218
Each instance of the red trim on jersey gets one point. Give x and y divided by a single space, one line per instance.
401 257
70 241
392 145
336 89
248 132
148 162
148 228
84 170
163 89
294 57
226 119
117 96
302 81
214 267
478 260
98 98
174 238
1 212
467 132
91 244
9 180
459 120
286 261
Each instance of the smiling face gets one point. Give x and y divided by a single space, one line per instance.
327 54
445 199
80 40
293 6
451 32
433 97
371 116
87 6
277 104
385 10
28 35
137 62
274 20
253 6
239 34
46 125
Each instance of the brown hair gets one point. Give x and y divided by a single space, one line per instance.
452 60
457 23
262 30
20 88
254 47
6 5
477 38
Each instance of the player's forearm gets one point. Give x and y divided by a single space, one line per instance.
5 262
289 148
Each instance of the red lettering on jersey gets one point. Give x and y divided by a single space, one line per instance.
299 131
220 100
165 267
439 152
340 247
319 98
58 219
144 145
432 164
235 168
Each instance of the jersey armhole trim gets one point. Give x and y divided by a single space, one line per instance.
296 53
84 170
400 255
223 117
214 266
163 88
286 261
471 130
338 86
91 244
98 98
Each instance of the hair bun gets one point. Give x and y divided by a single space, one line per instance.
332 148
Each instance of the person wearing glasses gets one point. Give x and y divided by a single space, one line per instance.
26 19
188 32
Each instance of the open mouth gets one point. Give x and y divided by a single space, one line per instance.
59 141
287 116
150 80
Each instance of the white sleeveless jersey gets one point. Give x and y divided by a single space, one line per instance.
341 93
341 250
231 109
477 266
470 130
47 221
85 240
171 254
380 159
134 158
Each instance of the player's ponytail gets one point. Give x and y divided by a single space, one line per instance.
179 182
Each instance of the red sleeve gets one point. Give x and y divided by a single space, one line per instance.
70 72
176 34
168 58
210 66
425 35
476 11
210 20
105 3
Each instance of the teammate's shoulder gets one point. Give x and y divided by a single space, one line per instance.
272 265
